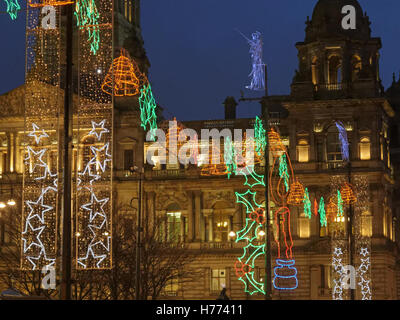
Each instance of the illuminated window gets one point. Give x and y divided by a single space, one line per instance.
333 146
218 279
173 226
314 70
221 227
304 226
365 148
171 288
325 277
366 224
303 151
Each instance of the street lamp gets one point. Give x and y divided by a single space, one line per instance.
2 205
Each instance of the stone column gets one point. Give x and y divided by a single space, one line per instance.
211 227
8 156
13 148
190 216
199 221
315 278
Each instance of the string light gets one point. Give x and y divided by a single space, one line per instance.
285 275
296 194
43 99
340 204
94 187
337 292
148 107
87 17
257 74
283 171
12 8
307 204
125 79
259 136
43 3
322 214
347 194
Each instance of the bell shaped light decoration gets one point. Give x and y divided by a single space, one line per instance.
347 193
127 77
296 193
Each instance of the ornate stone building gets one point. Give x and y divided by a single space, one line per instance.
337 80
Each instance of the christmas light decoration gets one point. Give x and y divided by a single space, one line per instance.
12 8
87 18
343 140
307 204
340 212
275 142
127 79
331 210
347 194
315 207
337 292
93 199
257 74
283 171
43 105
259 136
54 3
285 272
230 157
322 214
148 107
296 194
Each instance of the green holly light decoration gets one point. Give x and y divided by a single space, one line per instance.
283 171
87 16
307 204
340 204
260 136
148 106
322 213
12 8
230 157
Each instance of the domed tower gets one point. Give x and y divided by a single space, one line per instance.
334 62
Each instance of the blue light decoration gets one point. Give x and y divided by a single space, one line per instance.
257 74
343 140
12 8
290 275
148 107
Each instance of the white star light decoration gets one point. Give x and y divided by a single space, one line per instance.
337 292
38 211
97 244
362 270
96 127
37 133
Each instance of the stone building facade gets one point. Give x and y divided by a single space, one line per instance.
337 80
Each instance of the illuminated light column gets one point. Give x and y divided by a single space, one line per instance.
281 176
43 104
93 201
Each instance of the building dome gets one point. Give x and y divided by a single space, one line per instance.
327 18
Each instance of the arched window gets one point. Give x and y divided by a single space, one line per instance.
335 70
356 66
303 151
365 148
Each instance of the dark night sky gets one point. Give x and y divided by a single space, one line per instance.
198 58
